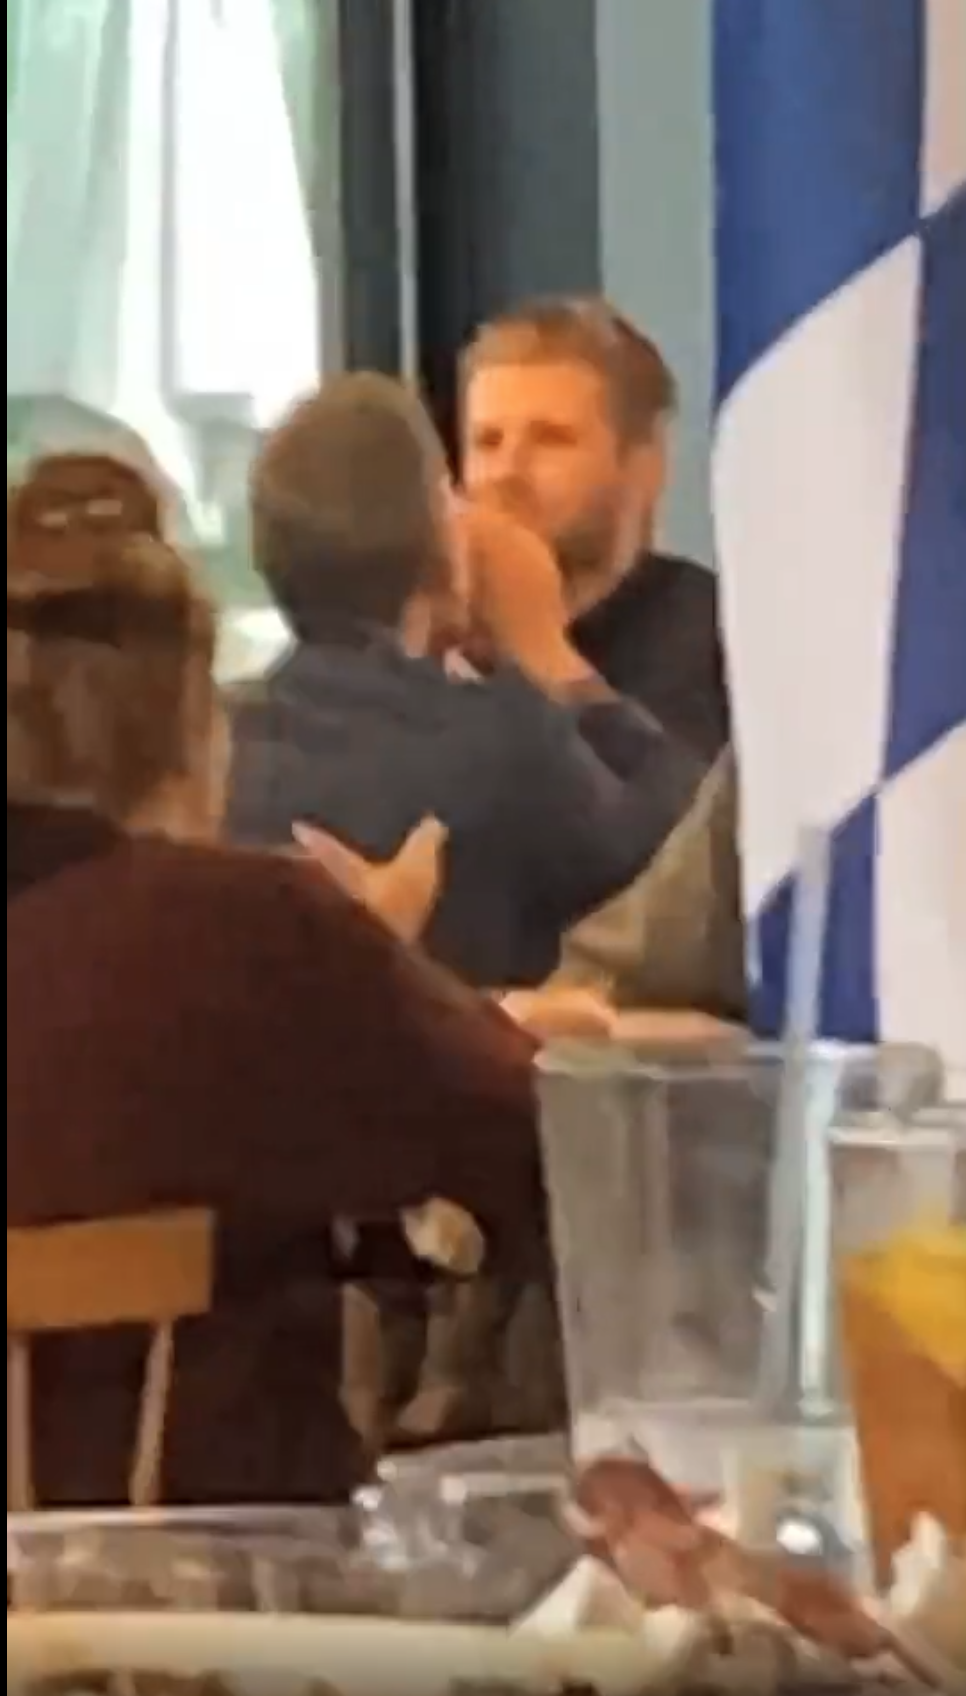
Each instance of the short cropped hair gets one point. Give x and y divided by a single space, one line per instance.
638 382
346 505
110 642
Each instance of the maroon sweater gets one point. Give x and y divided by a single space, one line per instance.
200 1026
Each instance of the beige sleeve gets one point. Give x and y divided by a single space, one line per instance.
674 937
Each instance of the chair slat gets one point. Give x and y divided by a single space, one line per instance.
151 1270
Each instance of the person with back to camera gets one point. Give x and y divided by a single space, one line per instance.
553 790
192 1025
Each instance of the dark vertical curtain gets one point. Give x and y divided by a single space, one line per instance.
502 95
508 168
368 97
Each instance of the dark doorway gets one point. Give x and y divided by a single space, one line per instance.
502 107
507 164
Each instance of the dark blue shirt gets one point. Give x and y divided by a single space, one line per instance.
550 809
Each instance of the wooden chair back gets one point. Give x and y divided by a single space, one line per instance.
152 1270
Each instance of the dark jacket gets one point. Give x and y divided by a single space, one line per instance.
204 1027
655 639
550 810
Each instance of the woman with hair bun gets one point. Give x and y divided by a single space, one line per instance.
111 701
189 1025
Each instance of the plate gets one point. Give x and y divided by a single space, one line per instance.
286 1656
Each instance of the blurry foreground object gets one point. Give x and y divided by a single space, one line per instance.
901 1253
696 1264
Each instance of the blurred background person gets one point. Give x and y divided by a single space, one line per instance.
554 791
193 1026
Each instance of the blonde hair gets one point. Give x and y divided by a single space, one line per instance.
110 643
583 330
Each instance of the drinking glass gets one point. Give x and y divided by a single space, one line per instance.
899 1254
695 1280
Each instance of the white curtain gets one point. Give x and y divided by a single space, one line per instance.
162 286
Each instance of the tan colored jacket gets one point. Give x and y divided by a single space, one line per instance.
674 938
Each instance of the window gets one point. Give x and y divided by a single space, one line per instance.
162 284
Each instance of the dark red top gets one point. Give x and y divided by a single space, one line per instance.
200 1026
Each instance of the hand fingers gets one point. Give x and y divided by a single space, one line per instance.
425 842
406 890
423 845
348 868
560 1013
402 891
583 1008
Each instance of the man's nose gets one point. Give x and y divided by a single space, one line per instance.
508 479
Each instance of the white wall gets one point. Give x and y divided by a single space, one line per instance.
654 68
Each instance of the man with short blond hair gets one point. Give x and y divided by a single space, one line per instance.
567 409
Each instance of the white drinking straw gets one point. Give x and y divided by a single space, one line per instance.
778 1378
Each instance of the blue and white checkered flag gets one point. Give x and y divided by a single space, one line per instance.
840 489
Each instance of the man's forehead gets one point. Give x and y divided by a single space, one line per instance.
535 385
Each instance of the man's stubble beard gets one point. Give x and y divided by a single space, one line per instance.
593 553
587 556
